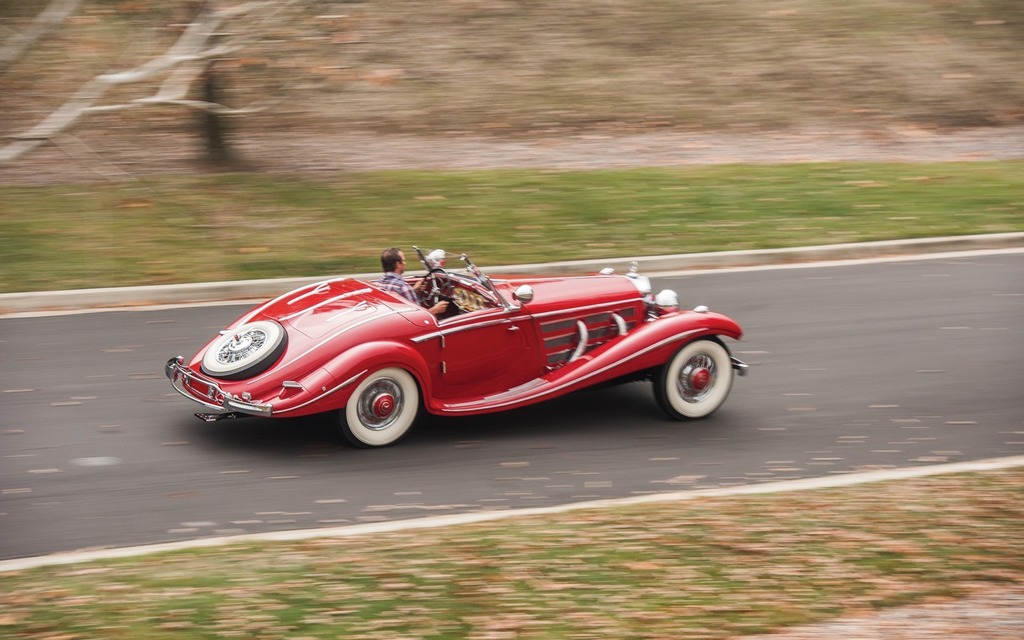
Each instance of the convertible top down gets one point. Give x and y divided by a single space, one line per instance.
375 359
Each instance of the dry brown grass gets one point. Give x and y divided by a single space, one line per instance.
712 569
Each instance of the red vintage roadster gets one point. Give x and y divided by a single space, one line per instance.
375 359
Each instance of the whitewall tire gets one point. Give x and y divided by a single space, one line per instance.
696 381
381 409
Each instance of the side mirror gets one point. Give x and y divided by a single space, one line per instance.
524 293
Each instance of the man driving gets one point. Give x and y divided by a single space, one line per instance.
392 261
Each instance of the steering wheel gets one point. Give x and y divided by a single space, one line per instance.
438 286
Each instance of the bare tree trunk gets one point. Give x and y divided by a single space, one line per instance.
190 58
216 147
211 125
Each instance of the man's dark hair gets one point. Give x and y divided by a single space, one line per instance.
390 258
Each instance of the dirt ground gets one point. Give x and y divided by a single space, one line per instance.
288 153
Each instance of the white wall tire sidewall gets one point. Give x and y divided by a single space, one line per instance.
407 411
212 366
719 391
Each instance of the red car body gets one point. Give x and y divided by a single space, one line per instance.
510 342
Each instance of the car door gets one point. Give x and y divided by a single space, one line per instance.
487 352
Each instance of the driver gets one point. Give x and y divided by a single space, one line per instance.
392 261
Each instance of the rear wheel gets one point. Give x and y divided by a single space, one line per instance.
381 409
696 381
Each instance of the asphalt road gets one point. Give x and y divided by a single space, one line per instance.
852 367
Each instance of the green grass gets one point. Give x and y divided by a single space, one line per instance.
712 568
240 226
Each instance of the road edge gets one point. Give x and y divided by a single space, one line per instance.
434 522
240 290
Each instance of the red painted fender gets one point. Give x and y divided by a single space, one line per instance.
647 346
349 368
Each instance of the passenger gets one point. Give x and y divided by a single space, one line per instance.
392 261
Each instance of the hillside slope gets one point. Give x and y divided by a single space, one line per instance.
532 69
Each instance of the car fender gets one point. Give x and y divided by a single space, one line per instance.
329 387
355 363
706 322
645 347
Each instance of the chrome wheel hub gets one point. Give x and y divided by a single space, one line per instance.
696 378
380 404
383 405
241 346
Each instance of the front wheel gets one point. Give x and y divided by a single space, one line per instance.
695 382
381 409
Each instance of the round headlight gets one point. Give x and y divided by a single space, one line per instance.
666 301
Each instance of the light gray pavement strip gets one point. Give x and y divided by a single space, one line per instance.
805 484
113 297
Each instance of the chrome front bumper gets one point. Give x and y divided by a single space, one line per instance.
190 385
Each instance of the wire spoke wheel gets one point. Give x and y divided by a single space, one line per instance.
697 377
245 351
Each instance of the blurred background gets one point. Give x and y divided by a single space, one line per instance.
519 69
151 142
245 135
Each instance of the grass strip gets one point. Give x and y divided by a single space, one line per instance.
712 568
238 226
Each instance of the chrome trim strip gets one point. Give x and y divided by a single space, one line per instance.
467 326
326 302
620 323
359 307
477 325
258 310
584 309
255 312
584 338
324 394
428 336
318 288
